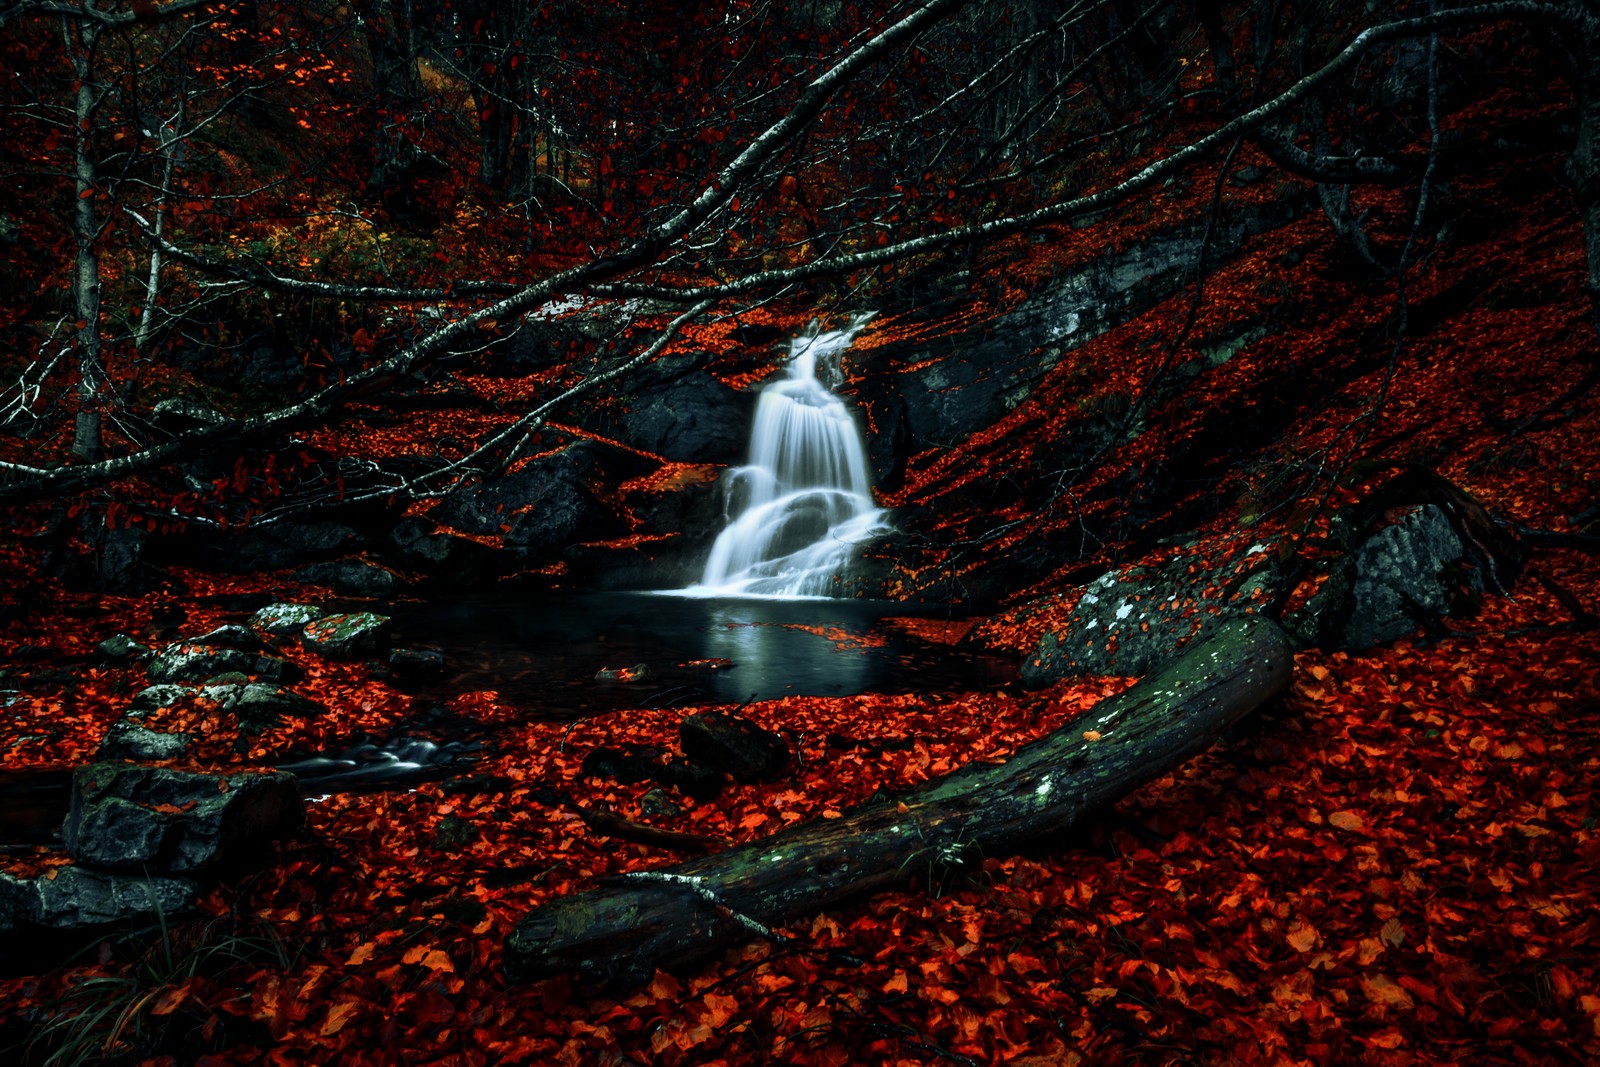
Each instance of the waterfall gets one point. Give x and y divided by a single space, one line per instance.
800 507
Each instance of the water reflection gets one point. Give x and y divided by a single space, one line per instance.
545 654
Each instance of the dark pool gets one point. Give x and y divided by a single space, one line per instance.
545 651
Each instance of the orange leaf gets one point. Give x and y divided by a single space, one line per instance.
363 953
338 1015
168 1002
897 984
1381 989
1347 820
1302 936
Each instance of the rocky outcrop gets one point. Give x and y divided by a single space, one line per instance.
1131 620
351 577
70 898
685 415
192 661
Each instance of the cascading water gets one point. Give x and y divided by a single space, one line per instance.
804 502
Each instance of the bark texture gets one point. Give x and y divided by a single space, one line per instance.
622 932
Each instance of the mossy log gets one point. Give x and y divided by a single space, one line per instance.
624 930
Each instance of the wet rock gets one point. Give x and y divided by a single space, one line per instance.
690 778
733 745
686 415
1131 620
477 785
121 647
284 619
537 511
454 833
260 705
639 672
416 664
188 661
72 898
440 553
156 697
626 764
351 577
129 739
658 804
231 636
352 636
125 817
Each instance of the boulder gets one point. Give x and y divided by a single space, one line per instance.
70 898
189 661
1395 581
126 817
129 739
259 705
284 619
1130 620
733 745
351 636
442 554
351 577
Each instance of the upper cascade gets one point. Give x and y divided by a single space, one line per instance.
803 504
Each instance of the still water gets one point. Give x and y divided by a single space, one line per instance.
545 653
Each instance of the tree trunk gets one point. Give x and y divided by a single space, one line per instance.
81 39
626 929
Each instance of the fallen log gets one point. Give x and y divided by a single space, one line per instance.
624 930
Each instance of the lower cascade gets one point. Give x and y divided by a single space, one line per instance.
803 504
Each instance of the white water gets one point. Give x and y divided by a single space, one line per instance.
800 507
